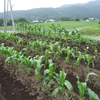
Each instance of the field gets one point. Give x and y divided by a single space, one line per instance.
55 64
65 24
72 24
91 31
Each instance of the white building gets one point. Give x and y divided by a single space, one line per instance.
35 21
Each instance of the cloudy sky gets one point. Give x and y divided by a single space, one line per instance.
30 4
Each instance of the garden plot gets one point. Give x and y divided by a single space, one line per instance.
56 65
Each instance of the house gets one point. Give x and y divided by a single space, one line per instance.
35 21
50 20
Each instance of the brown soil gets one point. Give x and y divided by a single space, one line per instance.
16 84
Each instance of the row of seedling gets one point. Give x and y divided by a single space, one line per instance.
24 62
70 53
56 31
52 32
49 73
10 37
36 30
7 36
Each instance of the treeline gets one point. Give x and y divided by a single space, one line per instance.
62 18
9 22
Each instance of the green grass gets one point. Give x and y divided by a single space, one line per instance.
71 24
65 24
93 31
8 28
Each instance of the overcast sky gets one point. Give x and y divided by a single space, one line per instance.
30 4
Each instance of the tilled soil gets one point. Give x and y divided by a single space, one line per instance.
11 89
16 84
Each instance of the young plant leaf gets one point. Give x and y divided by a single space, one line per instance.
69 86
88 75
92 95
55 91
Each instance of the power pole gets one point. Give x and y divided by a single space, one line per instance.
5 19
12 16
6 15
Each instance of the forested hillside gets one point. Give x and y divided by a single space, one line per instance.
91 9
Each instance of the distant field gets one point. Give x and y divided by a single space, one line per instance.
93 30
65 24
71 24
8 28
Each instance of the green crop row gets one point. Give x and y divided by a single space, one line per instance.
70 53
50 74
56 31
39 45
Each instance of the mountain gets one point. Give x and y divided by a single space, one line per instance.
90 9
69 5
95 2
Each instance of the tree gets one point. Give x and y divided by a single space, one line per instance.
86 18
65 18
22 19
77 19
15 21
1 22
73 19
9 23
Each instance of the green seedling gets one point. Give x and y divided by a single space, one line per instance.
79 58
88 60
61 80
7 36
46 56
6 50
48 75
83 89
69 53
19 41
37 45
96 52
25 51
38 65
59 52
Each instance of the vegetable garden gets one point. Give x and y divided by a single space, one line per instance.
54 64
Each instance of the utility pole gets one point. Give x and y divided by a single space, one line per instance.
12 16
6 15
5 19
